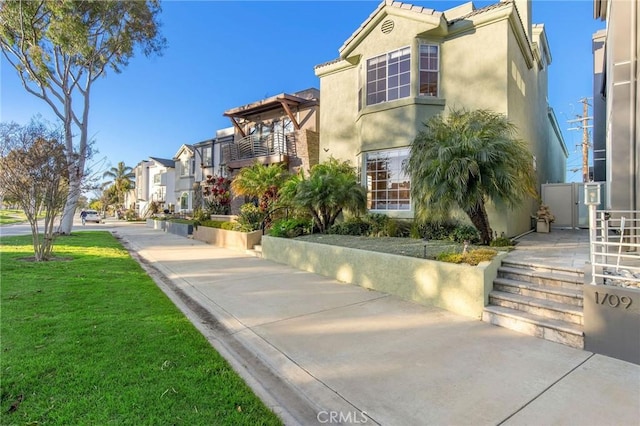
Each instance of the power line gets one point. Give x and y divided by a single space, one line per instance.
582 123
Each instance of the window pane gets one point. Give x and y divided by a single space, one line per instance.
389 186
405 79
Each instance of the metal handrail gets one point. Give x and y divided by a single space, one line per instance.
614 230
253 146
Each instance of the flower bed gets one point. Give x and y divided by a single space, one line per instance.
228 239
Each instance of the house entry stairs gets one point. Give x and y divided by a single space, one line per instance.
541 301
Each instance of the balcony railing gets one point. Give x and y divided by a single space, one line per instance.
275 147
615 247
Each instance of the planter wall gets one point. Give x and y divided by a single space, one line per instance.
156 224
228 239
461 289
612 321
182 229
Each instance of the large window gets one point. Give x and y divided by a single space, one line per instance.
389 76
429 66
388 186
184 167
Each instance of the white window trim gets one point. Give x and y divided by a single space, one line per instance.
424 43
365 94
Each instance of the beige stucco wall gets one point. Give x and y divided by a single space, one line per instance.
482 66
462 289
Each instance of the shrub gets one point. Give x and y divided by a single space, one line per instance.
250 217
291 228
501 242
354 226
472 257
461 233
212 223
377 224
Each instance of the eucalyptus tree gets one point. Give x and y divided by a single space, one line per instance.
59 48
121 180
465 159
35 175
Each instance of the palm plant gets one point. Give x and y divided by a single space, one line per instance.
121 180
332 187
261 182
464 160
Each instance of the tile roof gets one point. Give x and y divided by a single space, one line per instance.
481 10
164 161
391 3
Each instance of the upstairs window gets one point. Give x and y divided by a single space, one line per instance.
429 67
389 76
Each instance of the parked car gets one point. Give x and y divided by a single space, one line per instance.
93 216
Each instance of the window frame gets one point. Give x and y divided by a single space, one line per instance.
429 70
381 70
393 204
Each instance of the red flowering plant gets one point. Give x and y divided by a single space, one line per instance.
216 194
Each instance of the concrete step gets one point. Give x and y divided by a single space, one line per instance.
256 251
557 294
533 325
547 278
546 269
540 307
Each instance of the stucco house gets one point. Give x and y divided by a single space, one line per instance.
406 63
616 103
279 129
154 181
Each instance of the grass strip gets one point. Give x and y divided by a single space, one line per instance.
8 216
90 339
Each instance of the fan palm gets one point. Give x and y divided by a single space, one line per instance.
332 187
121 180
464 160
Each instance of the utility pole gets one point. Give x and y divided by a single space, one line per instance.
583 124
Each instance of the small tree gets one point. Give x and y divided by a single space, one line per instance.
261 182
121 181
216 195
332 187
34 172
464 160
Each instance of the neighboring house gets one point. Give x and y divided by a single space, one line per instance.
185 167
154 181
280 129
616 103
161 173
208 155
407 63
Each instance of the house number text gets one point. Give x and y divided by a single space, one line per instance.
613 300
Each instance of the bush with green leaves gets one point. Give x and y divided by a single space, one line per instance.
291 228
353 226
445 231
462 233
472 257
250 217
501 242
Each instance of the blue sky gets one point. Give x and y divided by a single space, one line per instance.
224 54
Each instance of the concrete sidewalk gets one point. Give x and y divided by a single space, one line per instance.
321 352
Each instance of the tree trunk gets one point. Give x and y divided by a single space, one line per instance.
480 220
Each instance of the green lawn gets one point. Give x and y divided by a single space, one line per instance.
92 340
12 216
